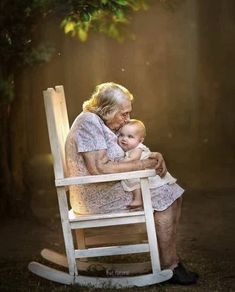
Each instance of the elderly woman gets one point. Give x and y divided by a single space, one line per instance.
91 148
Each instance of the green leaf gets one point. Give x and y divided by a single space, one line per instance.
69 26
85 17
82 34
122 2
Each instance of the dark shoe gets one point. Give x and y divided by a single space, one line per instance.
182 276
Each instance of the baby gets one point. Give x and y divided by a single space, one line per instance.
130 139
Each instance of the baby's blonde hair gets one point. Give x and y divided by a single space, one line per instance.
106 100
140 125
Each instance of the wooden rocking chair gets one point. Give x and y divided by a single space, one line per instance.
75 226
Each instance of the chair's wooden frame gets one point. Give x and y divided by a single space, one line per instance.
58 127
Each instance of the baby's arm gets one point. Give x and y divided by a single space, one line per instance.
134 154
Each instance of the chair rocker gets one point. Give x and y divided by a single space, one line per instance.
79 246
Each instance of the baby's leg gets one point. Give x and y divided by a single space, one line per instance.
137 199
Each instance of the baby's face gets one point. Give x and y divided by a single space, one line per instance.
129 137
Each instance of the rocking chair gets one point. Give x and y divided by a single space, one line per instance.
79 246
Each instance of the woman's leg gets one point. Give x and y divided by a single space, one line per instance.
166 225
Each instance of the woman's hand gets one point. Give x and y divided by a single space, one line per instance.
160 163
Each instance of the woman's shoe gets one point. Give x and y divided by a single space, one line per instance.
182 276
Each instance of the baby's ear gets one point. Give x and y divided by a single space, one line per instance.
141 140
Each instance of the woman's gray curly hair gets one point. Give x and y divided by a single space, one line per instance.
107 99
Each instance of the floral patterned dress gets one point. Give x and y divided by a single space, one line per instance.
89 133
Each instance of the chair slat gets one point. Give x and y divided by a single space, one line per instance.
112 250
80 180
108 222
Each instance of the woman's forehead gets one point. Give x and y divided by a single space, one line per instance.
125 106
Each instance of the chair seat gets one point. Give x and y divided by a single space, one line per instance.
79 217
98 220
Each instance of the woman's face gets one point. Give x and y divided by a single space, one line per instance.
121 117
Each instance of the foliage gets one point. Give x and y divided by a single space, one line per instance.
108 17
18 28
18 44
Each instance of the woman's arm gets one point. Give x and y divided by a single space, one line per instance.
97 162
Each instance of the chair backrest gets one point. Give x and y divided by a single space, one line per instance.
58 127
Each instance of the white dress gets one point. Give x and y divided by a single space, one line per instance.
154 182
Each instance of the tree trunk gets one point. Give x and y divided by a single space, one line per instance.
20 198
15 198
5 178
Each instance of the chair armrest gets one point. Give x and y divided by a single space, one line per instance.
81 180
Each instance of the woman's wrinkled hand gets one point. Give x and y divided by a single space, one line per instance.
160 163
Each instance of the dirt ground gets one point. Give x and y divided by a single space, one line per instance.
206 243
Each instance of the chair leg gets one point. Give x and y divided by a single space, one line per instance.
80 239
150 226
68 236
